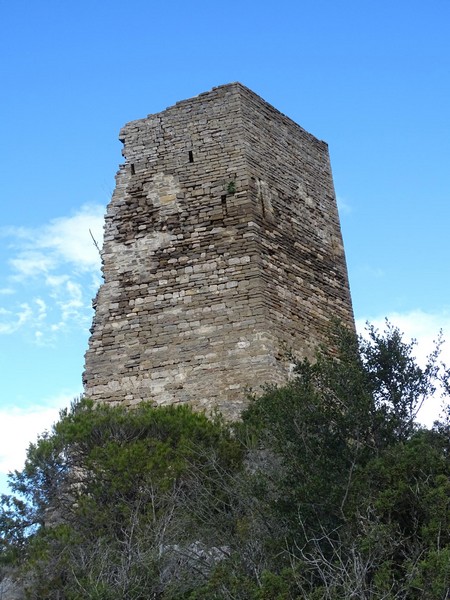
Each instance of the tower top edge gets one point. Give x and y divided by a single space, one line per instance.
235 87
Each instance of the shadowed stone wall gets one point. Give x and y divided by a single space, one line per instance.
222 248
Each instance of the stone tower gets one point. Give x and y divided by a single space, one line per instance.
222 249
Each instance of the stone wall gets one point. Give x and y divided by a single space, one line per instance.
222 248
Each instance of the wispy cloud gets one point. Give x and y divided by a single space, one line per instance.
63 241
31 263
54 271
20 426
69 238
12 320
343 206
371 271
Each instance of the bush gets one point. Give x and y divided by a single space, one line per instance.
327 488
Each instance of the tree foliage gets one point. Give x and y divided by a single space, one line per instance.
327 488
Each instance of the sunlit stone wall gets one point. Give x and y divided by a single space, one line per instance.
222 250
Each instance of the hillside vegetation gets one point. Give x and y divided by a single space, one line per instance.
326 489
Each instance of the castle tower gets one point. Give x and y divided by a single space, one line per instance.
222 249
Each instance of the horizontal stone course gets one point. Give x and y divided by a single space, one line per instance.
222 248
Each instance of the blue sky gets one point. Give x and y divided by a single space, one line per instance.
370 78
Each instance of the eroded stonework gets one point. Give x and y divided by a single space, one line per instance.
222 249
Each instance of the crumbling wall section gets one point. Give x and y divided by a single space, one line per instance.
222 247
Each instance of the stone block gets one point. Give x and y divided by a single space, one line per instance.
222 246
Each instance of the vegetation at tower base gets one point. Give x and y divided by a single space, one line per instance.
327 488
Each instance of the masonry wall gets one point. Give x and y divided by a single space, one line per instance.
222 247
302 260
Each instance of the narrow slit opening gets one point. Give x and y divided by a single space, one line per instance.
261 199
132 169
191 156
224 205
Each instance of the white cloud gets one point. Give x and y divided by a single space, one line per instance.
42 309
56 280
424 327
71 302
65 240
21 426
70 237
343 206
56 270
15 319
31 263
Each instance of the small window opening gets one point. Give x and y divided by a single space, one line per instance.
132 169
224 205
261 199
191 156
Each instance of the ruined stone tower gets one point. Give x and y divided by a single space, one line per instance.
222 248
